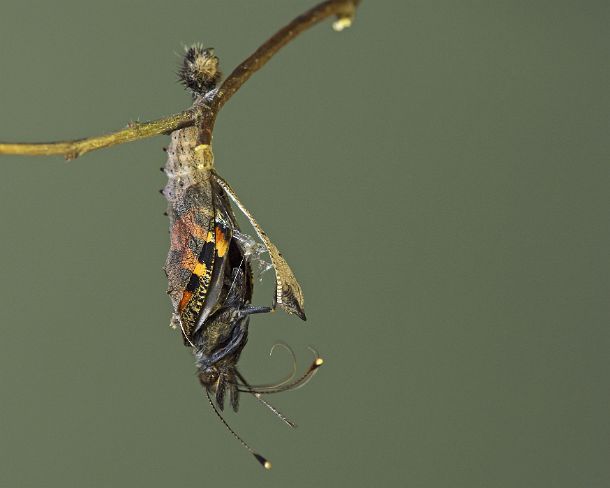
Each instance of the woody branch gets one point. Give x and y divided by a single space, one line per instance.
198 114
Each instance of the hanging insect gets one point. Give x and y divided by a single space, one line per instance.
209 264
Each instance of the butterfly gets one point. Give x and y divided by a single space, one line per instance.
209 264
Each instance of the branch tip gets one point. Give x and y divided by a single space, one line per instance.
200 114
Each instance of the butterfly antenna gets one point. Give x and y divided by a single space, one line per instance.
294 362
258 396
265 463
286 379
295 385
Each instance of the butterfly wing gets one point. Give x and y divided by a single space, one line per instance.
190 261
288 294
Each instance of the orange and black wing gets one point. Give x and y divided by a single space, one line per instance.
221 272
190 261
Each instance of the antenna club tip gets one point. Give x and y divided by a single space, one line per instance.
318 362
265 463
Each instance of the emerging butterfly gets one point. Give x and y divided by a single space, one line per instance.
209 266
209 262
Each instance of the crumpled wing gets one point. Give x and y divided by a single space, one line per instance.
190 260
223 235
288 294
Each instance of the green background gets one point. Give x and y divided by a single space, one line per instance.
438 179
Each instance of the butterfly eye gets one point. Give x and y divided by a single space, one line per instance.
208 376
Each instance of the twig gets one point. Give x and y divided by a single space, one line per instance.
73 149
200 114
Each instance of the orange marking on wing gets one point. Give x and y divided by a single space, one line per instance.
200 269
188 261
221 242
186 297
185 227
